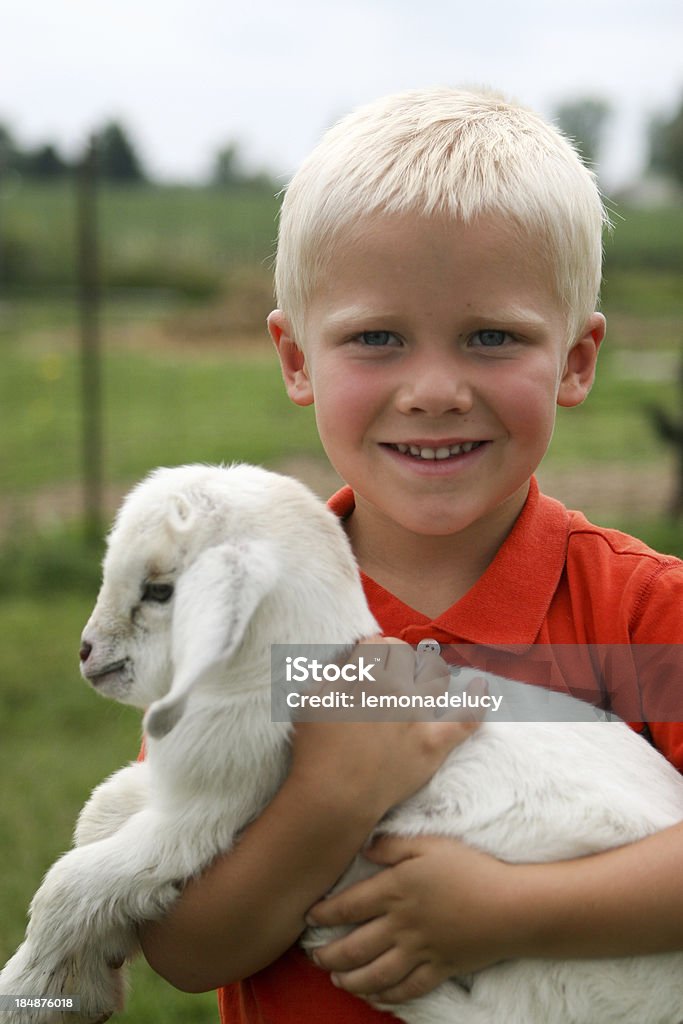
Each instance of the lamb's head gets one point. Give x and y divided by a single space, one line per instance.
126 646
204 563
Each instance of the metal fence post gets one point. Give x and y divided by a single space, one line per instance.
89 302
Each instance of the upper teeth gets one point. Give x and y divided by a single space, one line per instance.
437 453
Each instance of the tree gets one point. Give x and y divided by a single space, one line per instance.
44 162
227 169
584 121
666 145
117 159
8 150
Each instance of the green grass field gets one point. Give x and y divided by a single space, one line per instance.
58 740
175 390
171 239
169 407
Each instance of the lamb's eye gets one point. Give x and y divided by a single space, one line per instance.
159 592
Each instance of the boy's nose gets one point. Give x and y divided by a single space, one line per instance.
435 390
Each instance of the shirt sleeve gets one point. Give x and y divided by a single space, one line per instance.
657 636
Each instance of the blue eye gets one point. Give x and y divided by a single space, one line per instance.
376 339
490 339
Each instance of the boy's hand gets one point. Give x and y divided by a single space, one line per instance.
373 765
435 912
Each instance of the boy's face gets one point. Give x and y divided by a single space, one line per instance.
436 354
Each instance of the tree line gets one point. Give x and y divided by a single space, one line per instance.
117 160
584 120
117 157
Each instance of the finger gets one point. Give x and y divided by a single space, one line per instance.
400 669
470 712
360 947
335 698
384 649
417 983
379 639
431 672
431 685
385 973
391 850
404 672
357 904
397 666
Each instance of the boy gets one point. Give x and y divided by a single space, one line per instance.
437 278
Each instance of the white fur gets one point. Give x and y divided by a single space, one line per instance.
256 560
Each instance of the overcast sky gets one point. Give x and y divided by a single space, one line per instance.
187 76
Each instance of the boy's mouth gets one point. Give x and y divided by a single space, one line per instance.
436 453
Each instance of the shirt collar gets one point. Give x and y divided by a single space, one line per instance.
509 603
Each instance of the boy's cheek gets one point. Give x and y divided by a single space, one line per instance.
342 411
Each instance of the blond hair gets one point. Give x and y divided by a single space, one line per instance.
444 151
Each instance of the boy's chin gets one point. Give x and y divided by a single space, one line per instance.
449 515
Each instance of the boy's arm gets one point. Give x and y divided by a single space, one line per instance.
442 908
249 906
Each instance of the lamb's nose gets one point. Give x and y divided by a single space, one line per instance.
84 652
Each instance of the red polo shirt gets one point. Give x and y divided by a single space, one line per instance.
557 579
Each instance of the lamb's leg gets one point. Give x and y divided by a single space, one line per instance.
112 803
82 920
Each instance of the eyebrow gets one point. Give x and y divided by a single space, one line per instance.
357 314
513 317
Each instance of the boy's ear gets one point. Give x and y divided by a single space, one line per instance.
579 370
292 359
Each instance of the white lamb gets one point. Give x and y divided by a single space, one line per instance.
206 568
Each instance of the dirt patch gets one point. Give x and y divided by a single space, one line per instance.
53 507
611 493
605 493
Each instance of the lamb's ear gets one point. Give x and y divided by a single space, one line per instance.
180 514
213 604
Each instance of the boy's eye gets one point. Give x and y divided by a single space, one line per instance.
490 339
376 339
